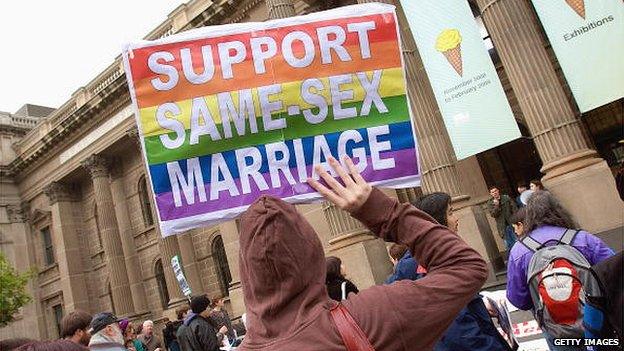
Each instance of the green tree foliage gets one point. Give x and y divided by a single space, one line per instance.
12 290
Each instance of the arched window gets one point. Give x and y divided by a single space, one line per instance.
221 263
159 273
146 205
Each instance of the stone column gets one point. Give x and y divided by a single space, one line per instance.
67 247
229 234
139 298
98 167
23 249
579 178
189 263
280 8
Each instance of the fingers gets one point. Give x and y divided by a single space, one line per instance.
328 194
346 178
333 183
353 170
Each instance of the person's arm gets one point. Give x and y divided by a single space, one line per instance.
419 310
514 206
599 250
518 292
494 209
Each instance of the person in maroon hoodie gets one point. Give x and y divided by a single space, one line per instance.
282 269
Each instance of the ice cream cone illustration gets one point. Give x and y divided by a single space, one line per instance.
449 44
578 6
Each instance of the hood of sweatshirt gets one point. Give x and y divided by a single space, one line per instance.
282 269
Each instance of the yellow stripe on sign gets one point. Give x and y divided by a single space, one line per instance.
391 84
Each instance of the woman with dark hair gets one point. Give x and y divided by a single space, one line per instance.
536 185
546 221
517 222
472 329
57 345
338 286
438 206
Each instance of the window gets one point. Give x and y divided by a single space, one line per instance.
221 263
146 205
48 248
57 310
159 273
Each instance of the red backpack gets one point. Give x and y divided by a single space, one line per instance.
559 280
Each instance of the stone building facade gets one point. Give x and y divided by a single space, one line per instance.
75 204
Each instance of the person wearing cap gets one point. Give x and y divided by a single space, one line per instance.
198 334
106 334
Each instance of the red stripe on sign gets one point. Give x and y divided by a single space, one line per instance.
385 30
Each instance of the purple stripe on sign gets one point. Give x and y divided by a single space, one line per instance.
405 165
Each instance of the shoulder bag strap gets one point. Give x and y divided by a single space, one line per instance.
531 244
343 289
352 335
568 236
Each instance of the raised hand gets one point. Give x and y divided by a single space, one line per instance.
350 196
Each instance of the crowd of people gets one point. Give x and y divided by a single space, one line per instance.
297 299
203 324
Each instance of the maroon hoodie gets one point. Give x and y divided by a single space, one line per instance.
282 268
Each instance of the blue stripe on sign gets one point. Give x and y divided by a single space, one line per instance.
400 138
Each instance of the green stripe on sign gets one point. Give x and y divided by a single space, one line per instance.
298 127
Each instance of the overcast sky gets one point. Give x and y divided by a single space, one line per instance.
51 48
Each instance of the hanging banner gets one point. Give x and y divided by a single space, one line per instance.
588 39
179 274
470 96
229 113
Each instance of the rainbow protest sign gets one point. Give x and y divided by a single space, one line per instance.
229 113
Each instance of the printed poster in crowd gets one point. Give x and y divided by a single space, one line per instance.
588 39
229 113
470 96
179 274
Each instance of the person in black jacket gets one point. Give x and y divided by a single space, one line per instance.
338 287
199 334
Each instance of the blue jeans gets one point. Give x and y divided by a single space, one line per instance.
510 237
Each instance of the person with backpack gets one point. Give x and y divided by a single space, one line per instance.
282 268
549 268
338 286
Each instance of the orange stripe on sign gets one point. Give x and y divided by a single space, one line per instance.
383 55
385 30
